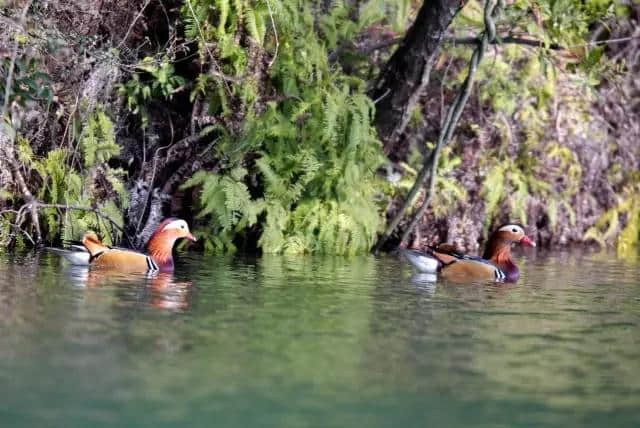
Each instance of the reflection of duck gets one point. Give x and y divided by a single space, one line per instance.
170 294
162 289
424 278
496 263
425 282
95 254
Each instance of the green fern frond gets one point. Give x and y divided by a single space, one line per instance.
99 142
313 183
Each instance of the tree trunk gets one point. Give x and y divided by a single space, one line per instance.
407 73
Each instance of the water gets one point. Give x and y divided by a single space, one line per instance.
319 342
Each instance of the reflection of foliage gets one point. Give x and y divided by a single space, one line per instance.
352 331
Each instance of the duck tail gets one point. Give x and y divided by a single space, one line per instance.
423 262
75 257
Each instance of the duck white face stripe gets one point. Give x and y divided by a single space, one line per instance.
511 228
177 224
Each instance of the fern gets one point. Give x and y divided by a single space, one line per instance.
63 185
314 153
227 200
330 119
99 142
223 8
255 19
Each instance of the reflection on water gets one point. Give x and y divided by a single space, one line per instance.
302 341
158 289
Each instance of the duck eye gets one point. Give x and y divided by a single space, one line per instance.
514 230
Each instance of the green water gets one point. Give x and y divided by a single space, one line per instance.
319 342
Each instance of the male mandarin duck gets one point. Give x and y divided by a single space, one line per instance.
95 254
495 264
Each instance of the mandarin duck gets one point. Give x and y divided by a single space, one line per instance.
94 253
495 264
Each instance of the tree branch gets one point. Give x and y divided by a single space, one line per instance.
14 56
96 211
26 194
33 205
133 23
407 71
498 41
505 40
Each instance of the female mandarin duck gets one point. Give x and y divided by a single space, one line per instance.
95 254
495 264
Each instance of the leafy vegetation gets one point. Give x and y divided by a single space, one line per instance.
315 150
162 83
97 186
259 112
620 224
528 126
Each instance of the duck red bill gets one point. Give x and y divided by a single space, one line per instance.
527 241
190 237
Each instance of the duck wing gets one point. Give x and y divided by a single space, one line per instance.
92 252
472 269
452 264
123 260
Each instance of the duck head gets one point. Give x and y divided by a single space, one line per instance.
163 239
498 249
512 233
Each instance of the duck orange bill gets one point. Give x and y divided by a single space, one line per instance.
190 237
527 241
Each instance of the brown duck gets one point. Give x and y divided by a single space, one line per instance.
94 253
496 263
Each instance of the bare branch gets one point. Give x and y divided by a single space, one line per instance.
14 56
133 23
27 195
498 41
275 34
96 211
33 206
505 40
